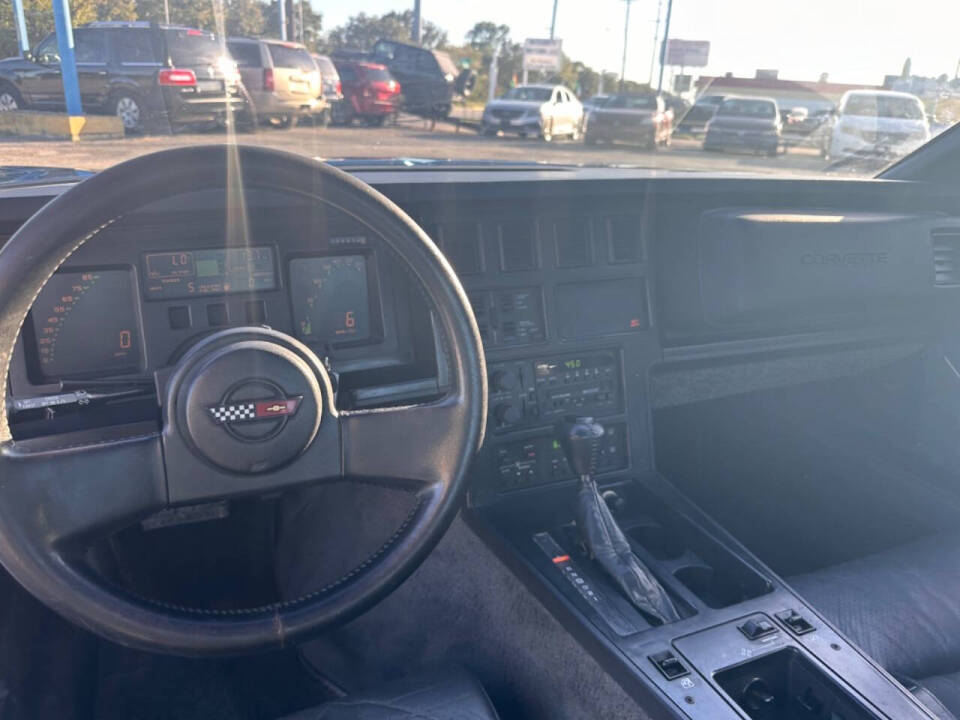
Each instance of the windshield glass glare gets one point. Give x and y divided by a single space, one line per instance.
723 87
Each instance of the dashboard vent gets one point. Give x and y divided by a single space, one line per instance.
518 245
573 242
946 256
461 244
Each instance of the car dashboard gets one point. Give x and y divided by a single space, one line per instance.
604 293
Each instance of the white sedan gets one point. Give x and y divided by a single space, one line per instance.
544 110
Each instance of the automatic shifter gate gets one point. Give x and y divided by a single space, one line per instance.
605 541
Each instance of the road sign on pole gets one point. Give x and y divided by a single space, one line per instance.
688 53
542 54
68 64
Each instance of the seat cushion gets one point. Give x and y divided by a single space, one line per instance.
902 607
451 695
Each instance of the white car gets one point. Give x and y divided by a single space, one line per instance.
877 123
544 110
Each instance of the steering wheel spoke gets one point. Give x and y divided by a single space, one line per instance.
66 491
403 444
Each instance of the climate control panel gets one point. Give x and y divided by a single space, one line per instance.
527 393
539 460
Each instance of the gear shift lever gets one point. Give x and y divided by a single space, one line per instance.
580 439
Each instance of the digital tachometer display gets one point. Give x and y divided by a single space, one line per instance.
85 323
330 298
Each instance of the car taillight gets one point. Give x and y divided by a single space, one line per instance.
268 79
339 88
177 78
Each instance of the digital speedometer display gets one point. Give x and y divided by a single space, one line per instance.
330 298
85 323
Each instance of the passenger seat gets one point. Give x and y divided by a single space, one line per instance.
902 607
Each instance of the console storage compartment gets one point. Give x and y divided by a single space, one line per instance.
785 685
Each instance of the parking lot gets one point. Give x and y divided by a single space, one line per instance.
411 138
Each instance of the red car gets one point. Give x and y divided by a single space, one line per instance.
369 93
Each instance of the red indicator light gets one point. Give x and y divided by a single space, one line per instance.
635 323
559 559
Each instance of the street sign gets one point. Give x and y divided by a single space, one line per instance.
540 54
687 53
681 83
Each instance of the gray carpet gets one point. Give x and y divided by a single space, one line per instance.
462 606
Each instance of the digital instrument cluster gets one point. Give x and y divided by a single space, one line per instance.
87 323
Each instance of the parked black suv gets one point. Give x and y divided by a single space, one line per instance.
429 78
139 71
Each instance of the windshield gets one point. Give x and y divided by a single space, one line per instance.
491 85
887 106
747 108
534 94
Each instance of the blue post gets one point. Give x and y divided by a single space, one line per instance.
21 22
68 62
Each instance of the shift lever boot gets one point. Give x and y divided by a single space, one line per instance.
580 439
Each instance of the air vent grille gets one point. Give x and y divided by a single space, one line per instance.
946 256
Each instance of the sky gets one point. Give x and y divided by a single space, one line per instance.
857 41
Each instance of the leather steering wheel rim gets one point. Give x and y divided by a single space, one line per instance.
47 491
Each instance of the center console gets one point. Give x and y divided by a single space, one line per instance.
563 296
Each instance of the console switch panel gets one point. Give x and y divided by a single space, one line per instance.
669 664
795 622
756 628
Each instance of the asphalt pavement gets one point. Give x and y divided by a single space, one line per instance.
411 138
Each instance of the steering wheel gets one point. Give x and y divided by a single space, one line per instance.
56 494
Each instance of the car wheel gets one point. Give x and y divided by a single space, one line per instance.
129 109
283 122
10 98
377 120
547 132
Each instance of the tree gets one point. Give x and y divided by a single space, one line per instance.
361 31
487 36
39 18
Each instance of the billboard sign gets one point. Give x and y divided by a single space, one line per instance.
544 55
687 53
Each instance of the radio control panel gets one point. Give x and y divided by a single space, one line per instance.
528 393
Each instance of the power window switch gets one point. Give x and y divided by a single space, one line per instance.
796 622
756 628
669 665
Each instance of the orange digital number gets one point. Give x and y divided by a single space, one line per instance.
349 320
125 339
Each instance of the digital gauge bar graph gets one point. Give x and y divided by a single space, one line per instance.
85 324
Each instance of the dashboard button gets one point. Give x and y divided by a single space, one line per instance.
179 316
255 311
217 315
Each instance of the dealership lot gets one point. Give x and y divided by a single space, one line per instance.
410 138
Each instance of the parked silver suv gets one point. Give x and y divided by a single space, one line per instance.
281 78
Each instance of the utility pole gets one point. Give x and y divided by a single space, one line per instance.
663 48
553 19
656 36
301 23
282 6
494 68
626 33
415 30
21 23
68 65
